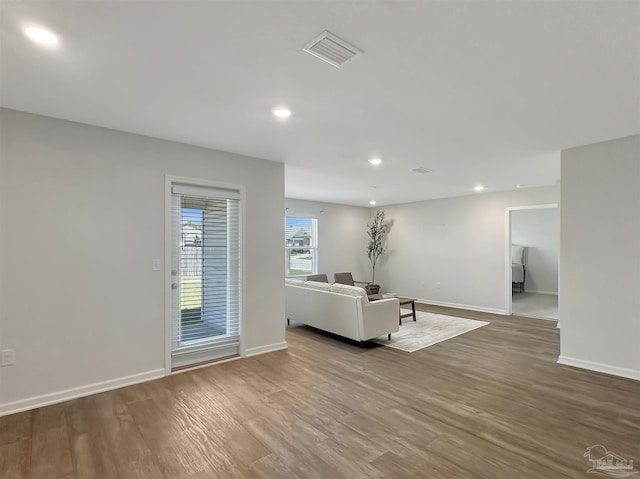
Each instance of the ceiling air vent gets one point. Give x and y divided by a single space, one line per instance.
332 49
421 170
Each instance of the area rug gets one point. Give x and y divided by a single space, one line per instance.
427 330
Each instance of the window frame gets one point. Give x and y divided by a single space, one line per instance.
314 249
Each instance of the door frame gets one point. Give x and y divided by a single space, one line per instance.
507 249
168 245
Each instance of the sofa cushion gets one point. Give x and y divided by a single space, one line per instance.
322 278
297 282
349 290
318 285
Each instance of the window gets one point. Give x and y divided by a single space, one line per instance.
301 246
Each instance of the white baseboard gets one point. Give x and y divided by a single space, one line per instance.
600 368
264 349
532 316
67 394
535 291
61 396
461 306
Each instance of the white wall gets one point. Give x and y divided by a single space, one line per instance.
342 236
539 231
452 251
82 215
600 263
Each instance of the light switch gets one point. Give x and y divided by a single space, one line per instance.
156 265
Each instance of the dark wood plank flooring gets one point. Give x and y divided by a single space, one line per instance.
491 403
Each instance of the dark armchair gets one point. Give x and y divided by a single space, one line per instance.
347 278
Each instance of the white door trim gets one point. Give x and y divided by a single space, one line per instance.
168 240
507 248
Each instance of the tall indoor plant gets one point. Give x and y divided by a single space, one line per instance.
377 231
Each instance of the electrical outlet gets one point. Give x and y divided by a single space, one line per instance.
155 265
8 357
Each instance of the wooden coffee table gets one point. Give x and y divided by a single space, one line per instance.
404 302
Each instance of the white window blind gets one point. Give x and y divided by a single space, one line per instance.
206 280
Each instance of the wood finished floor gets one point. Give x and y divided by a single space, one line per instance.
491 403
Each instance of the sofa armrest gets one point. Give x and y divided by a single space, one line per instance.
383 301
380 317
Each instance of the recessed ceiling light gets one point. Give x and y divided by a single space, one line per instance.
281 112
41 35
478 187
375 161
372 202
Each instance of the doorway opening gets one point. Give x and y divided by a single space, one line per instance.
532 246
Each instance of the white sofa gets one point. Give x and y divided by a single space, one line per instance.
340 309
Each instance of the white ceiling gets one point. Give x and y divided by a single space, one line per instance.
480 92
